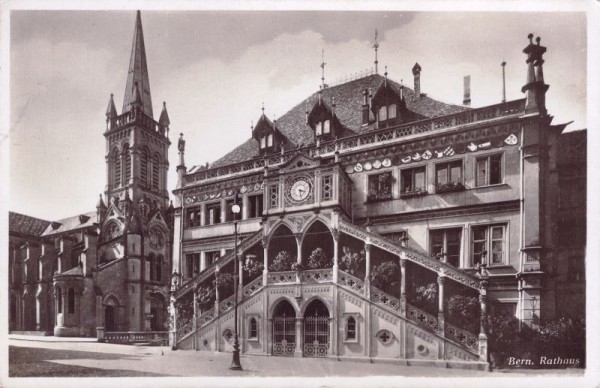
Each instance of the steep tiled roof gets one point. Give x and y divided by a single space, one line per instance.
71 223
348 99
571 148
20 223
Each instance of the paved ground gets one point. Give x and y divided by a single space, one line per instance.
49 356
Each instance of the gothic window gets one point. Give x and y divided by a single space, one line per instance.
71 301
59 300
255 206
488 245
445 243
158 268
327 188
380 186
326 127
126 160
117 168
392 111
155 172
253 328
144 166
193 217
489 170
413 181
151 266
273 197
383 113
351 329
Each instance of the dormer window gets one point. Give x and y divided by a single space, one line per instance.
266 141
267 135
387 112
323 121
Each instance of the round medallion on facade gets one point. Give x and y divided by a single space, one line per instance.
157 239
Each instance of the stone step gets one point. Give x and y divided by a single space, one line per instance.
37 333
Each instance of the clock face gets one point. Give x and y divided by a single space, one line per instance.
300 189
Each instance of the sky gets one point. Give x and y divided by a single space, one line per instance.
214 69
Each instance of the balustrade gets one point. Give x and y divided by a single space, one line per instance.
317 275
352 282
421 317
282 277
384 299
252 287
123 337
227 304
461 336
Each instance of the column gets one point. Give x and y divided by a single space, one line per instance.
265 261
202 261
195 320
368 270
202 214
483 340
216 314
173 328
336 254
403 284
299 258
269 339
299 332
441 320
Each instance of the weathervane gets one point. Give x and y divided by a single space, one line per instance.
323 69
376 46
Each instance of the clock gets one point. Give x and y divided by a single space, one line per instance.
300 189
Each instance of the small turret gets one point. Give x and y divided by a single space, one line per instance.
181 168
111 114
416 70
163 121
535 88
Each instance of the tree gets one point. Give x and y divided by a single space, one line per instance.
353 263
463 311
385 276
282 262
317 259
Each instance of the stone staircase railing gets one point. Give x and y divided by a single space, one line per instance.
461 336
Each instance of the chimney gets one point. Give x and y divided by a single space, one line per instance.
365 108
467 90
416 70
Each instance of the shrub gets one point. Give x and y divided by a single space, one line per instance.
282 262
317 260
353 263
225 283
385 276
463 311
253 267
425 297
206 296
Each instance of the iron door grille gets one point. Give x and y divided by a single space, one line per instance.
284 336
316 336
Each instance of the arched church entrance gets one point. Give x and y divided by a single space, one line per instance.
110 315
157 313
284 329
316 330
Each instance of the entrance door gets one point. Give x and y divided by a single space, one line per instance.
316 330
109 318
284 330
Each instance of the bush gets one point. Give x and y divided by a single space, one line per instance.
317 260
282 262
253 268
564 338
425 297
225 283
353 263
386 277
464 312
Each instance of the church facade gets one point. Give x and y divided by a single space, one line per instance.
107 270
371 214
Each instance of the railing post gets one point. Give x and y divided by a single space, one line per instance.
336 259
216 291
441 318
403 284
265 261
368 269
173 328
194 322
483 339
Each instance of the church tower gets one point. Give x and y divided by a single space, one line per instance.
134 245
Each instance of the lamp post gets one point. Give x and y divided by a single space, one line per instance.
235 363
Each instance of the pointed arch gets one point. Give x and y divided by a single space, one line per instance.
316 304
317 241
144 166
156 172
116 173
126 162
283 305
281 239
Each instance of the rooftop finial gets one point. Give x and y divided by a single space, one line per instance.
503 64
323 68
252 124
376 46
530 36
263 108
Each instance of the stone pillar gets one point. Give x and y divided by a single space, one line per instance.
269 339
195 321
336 254
202 261
265 262
403 284
441 317
216 292
483 340
173 328
368 270
299 336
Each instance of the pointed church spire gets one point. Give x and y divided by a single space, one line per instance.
138 72
164 116
111 110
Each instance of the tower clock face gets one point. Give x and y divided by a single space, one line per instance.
300 189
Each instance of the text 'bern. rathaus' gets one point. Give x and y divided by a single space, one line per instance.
354 207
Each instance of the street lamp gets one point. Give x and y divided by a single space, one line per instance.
235 363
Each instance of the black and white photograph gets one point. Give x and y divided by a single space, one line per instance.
298 194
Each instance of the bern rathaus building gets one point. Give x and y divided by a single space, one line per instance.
376 223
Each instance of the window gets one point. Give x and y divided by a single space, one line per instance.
385 336
327 188
488 245
273 196
229 216
270 140
263 142
489 170
193 217
253 328
155 264
266 141
446 242
117 167
326 127
213 214
126 163
192 264
351 329
59 300
255 206
448 177
319 129
392 111
144 166
155 172
380 186
211 257
413 182
383 113
71 301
